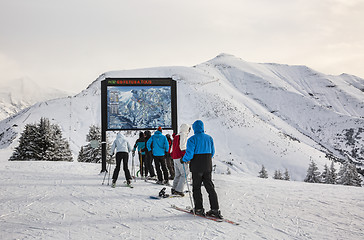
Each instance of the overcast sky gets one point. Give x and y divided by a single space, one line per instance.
67 44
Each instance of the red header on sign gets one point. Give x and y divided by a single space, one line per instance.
130 82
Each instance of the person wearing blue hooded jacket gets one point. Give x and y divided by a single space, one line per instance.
159 145
199 152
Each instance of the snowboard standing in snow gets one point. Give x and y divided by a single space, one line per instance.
162 194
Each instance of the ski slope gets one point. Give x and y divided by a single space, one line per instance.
66 200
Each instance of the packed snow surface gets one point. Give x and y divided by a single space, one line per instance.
66 200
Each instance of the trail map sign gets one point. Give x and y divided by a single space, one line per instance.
137 104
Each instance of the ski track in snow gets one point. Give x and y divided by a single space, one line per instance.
59 200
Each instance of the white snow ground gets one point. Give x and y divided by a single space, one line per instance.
65 200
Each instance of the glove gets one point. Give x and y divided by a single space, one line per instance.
181 160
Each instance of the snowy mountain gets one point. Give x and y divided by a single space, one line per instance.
21 93
275 115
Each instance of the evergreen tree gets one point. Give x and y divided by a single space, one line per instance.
313 175
286 175
329 175
26 150
263 173
278 175
333 174
42 142
90 154
325 175
61 147
348 175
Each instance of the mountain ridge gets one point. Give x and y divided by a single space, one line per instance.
258 113
21 93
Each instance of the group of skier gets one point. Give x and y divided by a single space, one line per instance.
171 160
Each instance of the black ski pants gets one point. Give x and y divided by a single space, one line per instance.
197 179
160 162
149 164
121 156
143 171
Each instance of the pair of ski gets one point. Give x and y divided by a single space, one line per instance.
186 210
125 185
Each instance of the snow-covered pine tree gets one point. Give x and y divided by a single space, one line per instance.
278 175
313 175
348 175
81 155
325 175
42 142
62 150
88 153
329 174
263 173
286 175
333 174
26 150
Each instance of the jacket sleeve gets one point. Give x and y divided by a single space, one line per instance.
135 145
128 145
190 150
166 145
112 148
183 142
212 147
149 143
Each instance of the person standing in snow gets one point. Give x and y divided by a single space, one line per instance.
169 160
159 149
140 144
148 156
200 150
178 150
123 148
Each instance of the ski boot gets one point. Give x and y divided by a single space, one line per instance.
200 212
214 213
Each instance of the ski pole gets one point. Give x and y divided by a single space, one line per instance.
188 188
108 181
105 175
141 169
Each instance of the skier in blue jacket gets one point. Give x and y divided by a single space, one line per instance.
200 150
159 145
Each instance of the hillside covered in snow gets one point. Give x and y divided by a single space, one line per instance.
66 200
22 93
275 115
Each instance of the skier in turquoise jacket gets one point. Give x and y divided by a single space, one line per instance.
199 152
159 145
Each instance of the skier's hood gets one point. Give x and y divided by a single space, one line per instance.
184 128
119 136
158 134
198 127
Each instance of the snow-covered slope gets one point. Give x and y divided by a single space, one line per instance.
277 115
21 93
65 200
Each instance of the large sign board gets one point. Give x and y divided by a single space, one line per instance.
138 104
